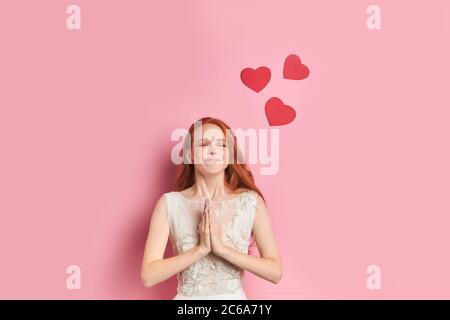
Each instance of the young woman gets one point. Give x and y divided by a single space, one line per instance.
210 221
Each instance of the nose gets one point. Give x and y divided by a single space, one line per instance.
212 146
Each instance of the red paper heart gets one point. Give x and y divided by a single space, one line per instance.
278 113
255 79
294 69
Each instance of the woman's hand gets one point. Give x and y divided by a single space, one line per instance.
215 230
204 245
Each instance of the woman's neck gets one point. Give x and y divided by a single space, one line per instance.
212 187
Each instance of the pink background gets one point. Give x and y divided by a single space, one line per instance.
86 118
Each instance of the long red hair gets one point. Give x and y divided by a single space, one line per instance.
237 175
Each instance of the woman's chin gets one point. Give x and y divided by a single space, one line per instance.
213 168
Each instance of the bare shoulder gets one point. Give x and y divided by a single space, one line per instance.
262 221
162 199
159 210
260 201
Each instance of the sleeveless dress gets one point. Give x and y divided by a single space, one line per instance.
211 277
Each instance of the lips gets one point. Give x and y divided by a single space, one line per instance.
212 161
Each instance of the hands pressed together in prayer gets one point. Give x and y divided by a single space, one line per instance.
210 232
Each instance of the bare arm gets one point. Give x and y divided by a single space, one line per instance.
268 265
154 268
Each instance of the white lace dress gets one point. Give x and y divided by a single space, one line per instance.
211 277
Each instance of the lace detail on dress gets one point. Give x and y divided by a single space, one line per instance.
211 275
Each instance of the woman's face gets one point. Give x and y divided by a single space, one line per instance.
210 149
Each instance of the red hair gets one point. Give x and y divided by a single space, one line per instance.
237 175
